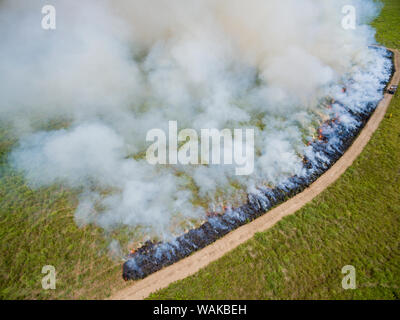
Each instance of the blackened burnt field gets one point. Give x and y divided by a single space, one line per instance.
333 140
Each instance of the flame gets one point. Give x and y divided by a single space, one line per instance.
320 135
211 214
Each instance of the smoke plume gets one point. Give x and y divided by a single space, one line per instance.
112 70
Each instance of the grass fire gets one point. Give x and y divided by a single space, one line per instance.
241 106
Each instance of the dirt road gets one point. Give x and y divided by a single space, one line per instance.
200 259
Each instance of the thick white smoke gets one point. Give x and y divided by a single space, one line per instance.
115 69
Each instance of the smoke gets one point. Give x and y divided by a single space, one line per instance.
115 69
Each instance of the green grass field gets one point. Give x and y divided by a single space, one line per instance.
37 228
356 221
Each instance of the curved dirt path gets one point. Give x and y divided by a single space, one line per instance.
190 265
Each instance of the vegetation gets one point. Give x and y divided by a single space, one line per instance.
37 228
355 222
388 24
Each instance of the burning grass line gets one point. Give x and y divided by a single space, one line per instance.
333 228
148 259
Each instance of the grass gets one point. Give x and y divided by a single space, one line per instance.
37 228
388 24
355 222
